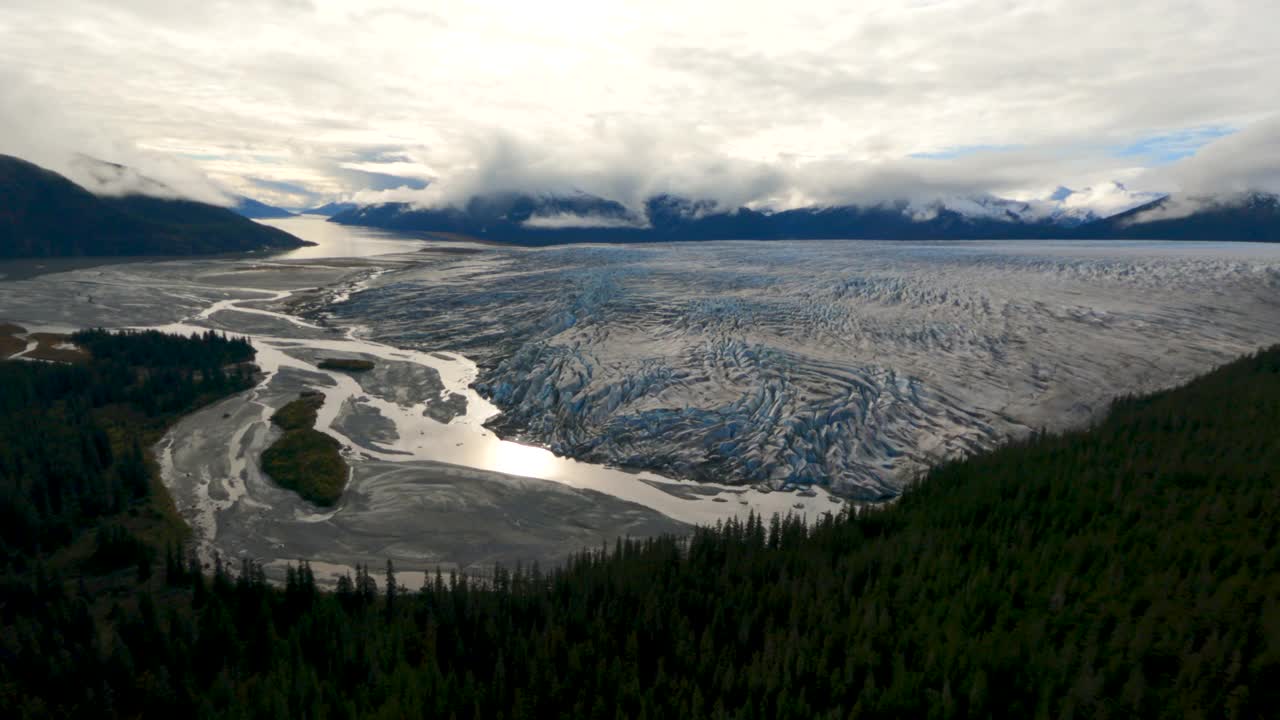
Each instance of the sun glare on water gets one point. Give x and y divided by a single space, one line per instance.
523 460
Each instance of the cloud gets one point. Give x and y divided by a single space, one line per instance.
1245 161
570 220
280 193
1167 147
36 128
630 165
961 151
1108 199
615 161
757 104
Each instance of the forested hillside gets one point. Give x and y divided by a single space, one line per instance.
72 435
1132 570
43 214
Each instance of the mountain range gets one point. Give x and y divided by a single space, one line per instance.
43 214
1064 206
1109 212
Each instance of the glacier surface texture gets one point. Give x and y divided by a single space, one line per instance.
850 364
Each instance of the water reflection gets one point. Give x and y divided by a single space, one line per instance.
334 241
522 460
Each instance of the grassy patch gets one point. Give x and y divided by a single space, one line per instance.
10 343
299 414
304 459
55 347
308 463
346 364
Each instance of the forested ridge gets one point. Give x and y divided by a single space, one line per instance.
1131 570
43 214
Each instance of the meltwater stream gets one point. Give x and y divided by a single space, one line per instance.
848 365
430 485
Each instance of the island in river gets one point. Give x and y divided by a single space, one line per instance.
430 485
304 459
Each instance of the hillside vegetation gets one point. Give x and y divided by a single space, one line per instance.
346 364
1132 570
72 435
43 214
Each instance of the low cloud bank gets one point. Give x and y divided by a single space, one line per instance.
630 163
561 221
632 166
38 130
1247 161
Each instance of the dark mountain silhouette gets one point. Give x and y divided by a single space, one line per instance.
1251 217
531 220
250 208
893 222
43 214
544 220
508 218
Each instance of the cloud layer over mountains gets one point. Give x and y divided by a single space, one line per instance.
296 101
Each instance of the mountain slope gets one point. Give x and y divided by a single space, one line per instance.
1064 207
1098 202
1252 217
509 217
250 208
43 214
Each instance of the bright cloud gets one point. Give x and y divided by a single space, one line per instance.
747 103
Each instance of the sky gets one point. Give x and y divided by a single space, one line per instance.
296 102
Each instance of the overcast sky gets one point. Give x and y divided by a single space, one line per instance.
780 103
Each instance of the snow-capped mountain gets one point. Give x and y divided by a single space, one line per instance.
1065 213
1064 207
1099 202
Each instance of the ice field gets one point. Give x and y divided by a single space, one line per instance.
847 364
675 384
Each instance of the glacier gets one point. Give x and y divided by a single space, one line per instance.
851 365
818 367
